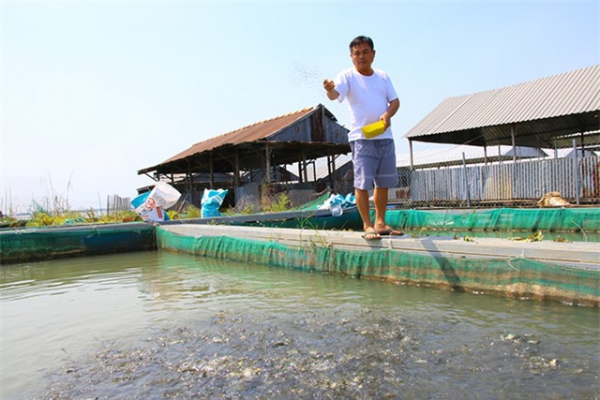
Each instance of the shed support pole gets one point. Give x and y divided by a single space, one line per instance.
485 159
333 171
268 164
190 177
466 181
410 146
330 169
305 172
237 167
514 142
212 172
577 175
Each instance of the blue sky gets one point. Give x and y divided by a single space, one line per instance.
93 91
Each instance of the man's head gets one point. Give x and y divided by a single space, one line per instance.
362 54
360 40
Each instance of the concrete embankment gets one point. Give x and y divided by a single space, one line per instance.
43 243
568 272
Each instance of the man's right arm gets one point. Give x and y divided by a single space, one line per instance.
329 87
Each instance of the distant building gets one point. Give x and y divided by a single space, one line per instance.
262 155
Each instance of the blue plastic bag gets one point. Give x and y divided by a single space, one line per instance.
211 201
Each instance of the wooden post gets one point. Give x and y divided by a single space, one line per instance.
237 167
577 175
190 176
410 146
304 165
268 164
466 181
514 142
212 171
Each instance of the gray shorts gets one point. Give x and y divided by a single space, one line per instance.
374 162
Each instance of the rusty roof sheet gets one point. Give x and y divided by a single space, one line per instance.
257 131
569 94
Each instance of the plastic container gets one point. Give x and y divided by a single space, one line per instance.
374 129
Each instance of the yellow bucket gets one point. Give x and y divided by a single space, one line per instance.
374 129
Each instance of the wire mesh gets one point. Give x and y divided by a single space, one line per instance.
572 180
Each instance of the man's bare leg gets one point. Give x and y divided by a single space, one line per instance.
380 198
362 203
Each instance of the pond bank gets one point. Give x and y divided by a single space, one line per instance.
567 272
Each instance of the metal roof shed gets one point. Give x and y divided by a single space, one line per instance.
297 137
543 113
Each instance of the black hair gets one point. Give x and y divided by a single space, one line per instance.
360 40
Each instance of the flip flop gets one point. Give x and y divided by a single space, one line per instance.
391 232
371 236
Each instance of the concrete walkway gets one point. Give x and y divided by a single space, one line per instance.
576 254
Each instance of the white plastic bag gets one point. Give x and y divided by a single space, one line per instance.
164 195
151 206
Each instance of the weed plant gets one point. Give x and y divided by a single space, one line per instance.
43 218
278 203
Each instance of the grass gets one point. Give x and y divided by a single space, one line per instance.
55 210
43 218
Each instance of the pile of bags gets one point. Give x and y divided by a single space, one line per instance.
152 206
338 203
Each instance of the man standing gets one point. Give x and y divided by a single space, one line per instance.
371 97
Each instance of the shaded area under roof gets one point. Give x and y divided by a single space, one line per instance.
306 134
541 113
437 158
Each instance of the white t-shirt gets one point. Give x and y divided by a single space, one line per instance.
368 98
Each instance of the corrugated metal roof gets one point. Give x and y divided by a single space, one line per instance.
546 107
307 134
257 131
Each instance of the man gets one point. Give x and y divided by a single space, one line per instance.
371 97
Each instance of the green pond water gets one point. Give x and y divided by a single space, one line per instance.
157 325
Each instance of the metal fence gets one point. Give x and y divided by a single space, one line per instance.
521 183
116 204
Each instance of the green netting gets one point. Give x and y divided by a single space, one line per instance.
517 276
503 219
244 250
20 245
